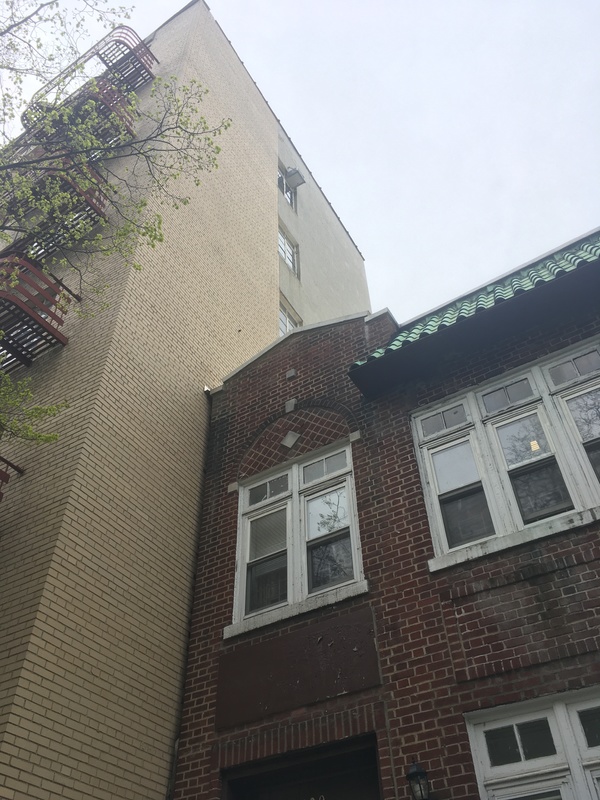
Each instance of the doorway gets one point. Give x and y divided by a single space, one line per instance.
348 773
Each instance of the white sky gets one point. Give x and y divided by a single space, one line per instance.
456 139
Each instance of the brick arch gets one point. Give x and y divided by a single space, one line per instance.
318 426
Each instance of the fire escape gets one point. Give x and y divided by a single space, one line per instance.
33 301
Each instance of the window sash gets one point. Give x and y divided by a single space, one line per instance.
288 251
456 536
337 545
285 189
577 461
571 772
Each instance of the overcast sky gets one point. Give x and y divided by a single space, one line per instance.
456 139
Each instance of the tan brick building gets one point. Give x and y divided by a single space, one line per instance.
98 536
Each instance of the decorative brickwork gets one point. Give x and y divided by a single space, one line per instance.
498 629
317 428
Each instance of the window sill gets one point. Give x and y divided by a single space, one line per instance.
539 530
335 595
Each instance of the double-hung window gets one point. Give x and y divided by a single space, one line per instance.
288 319
286 190
517 459
288 250
298 537
541 750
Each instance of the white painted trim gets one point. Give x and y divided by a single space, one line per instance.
564 447
311 603
569 771
547 527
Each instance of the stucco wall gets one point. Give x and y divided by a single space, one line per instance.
331 282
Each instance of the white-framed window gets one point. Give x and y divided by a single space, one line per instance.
288 319
298 543
288 250
286 190
515 459
547 749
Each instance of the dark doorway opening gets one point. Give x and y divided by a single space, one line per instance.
340 772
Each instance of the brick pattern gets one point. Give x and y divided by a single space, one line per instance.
98 538
501 629
547 610
316 427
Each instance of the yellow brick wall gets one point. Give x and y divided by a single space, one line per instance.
98 537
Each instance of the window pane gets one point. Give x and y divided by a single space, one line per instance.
593 451
536 739
281 244
523 440
327 513
466 518
335 462
519 390
268 534
502 746
325 466
432 425
454 416
278 485
257 494
562 373
494 400
330 563
266 583
552 795
269 489
590 362
590 722
541 491
283 329
585 409
314 471
455 467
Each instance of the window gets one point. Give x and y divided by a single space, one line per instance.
288 251
516 458
288 319
541 750
298 537
287 191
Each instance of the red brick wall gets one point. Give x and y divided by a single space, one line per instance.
499 629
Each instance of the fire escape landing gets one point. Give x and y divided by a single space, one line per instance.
32 301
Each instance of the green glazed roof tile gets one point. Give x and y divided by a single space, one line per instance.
522 280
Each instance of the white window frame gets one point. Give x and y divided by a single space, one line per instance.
288 251
572 770
480 428
288 319
286 190
299 598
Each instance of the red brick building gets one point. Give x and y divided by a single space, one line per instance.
400 561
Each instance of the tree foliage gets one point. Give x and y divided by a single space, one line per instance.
87 176
18 417
38 39
77 185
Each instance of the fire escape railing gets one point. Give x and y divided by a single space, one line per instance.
32 309
124 59
5 475
32 301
